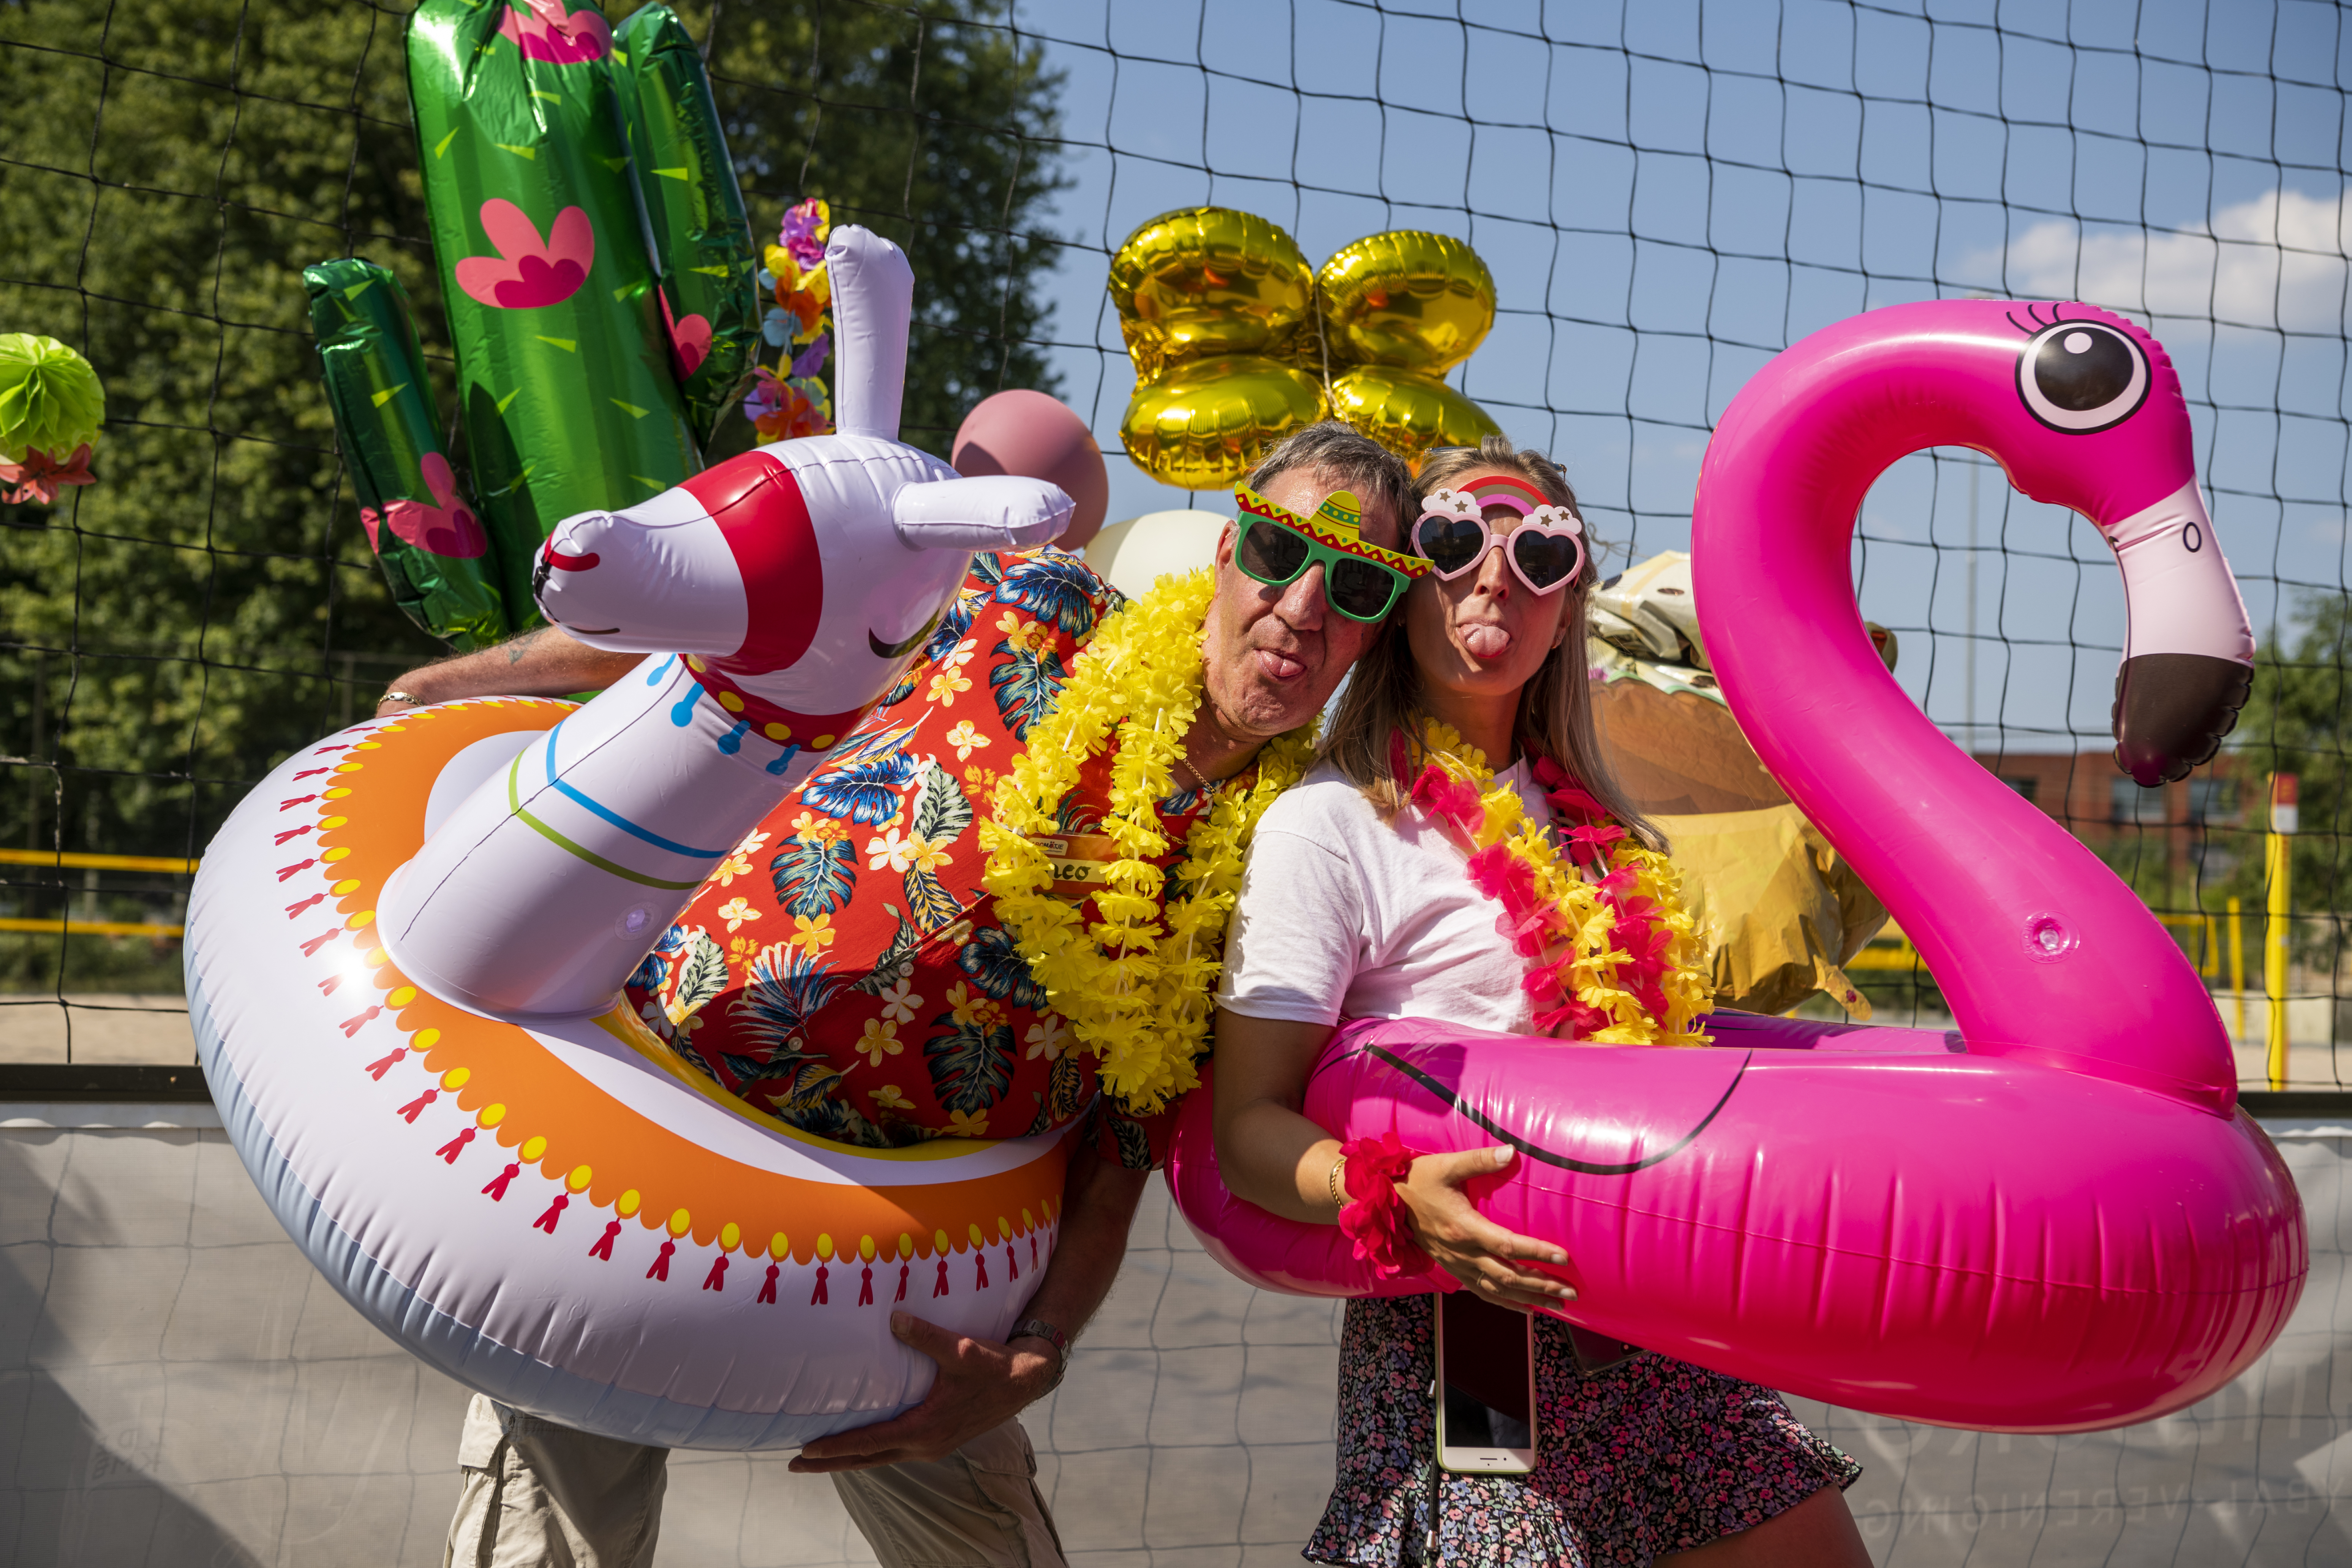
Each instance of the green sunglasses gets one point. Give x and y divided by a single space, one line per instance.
1277 547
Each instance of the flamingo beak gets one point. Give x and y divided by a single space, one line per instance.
2172 711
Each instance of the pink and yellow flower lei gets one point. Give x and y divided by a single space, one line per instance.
1610 953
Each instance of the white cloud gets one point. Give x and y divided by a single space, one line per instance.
2278 260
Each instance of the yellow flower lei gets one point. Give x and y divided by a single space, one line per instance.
1589 966
1136 987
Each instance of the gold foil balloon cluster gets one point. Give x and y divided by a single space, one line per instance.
1237 342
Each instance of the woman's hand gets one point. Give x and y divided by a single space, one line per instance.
1468 1245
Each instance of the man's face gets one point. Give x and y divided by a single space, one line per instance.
1272 656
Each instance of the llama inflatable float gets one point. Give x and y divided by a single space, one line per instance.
2054 1218
406 951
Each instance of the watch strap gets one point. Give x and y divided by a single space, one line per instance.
1038 1329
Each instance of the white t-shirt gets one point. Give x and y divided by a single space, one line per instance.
1341 913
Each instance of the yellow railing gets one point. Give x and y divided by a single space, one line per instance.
96 862
1891 950
92 928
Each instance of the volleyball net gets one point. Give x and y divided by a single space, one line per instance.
1667 195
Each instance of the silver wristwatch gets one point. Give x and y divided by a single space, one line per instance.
1038 1329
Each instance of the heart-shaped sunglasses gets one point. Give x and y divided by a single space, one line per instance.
1546 548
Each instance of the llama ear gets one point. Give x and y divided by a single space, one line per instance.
997 511
873 301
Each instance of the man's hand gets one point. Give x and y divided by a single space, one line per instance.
982 1384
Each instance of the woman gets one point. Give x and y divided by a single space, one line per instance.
1357 904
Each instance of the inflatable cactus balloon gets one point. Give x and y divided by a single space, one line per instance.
597 270
51 407
1237 342
50 400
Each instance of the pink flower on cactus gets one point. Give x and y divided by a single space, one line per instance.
446 528
530 272
689 340
805 227
544 30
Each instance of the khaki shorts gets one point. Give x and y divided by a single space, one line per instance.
539 1495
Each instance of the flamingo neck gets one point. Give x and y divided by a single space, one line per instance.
2040 950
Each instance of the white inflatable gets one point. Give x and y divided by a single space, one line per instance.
406 952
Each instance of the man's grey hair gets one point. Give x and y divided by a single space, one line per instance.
1332 451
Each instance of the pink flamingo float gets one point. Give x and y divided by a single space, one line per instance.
2054 1218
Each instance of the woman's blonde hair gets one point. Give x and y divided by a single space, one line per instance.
1555 719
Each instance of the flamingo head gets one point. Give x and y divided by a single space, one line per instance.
2095 420
2082 409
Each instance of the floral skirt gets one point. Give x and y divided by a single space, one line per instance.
1653 1457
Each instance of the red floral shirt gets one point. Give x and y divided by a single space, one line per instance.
843 967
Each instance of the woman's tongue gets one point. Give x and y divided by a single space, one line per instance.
1485 640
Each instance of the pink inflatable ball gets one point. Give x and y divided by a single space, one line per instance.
1037 438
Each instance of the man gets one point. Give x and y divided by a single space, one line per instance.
948 1481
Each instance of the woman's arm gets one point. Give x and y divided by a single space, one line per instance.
1274 1157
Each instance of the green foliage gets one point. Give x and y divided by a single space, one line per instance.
182 625
2297 722
170 632
926 124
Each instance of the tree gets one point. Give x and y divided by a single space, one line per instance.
932 125
169 633
2296 722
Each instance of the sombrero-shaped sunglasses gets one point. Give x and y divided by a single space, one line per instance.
1546 548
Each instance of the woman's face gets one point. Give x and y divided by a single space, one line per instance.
1483 634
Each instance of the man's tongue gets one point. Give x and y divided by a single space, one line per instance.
1486 641
1279 665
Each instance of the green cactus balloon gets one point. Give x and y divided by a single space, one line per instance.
598 272
50 400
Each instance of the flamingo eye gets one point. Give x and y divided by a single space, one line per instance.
2081 376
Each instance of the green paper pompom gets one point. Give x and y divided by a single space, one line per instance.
50 399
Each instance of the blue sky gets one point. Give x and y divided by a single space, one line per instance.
1669 192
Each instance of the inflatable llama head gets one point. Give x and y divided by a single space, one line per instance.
788 588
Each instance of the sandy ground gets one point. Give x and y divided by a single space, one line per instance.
99 1027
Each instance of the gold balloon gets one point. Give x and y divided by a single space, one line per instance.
1408 414
1235 340
1205 422
1208 280
1405 299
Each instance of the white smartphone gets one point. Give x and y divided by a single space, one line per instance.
1485 1388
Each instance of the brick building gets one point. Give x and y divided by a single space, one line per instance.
2205 820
